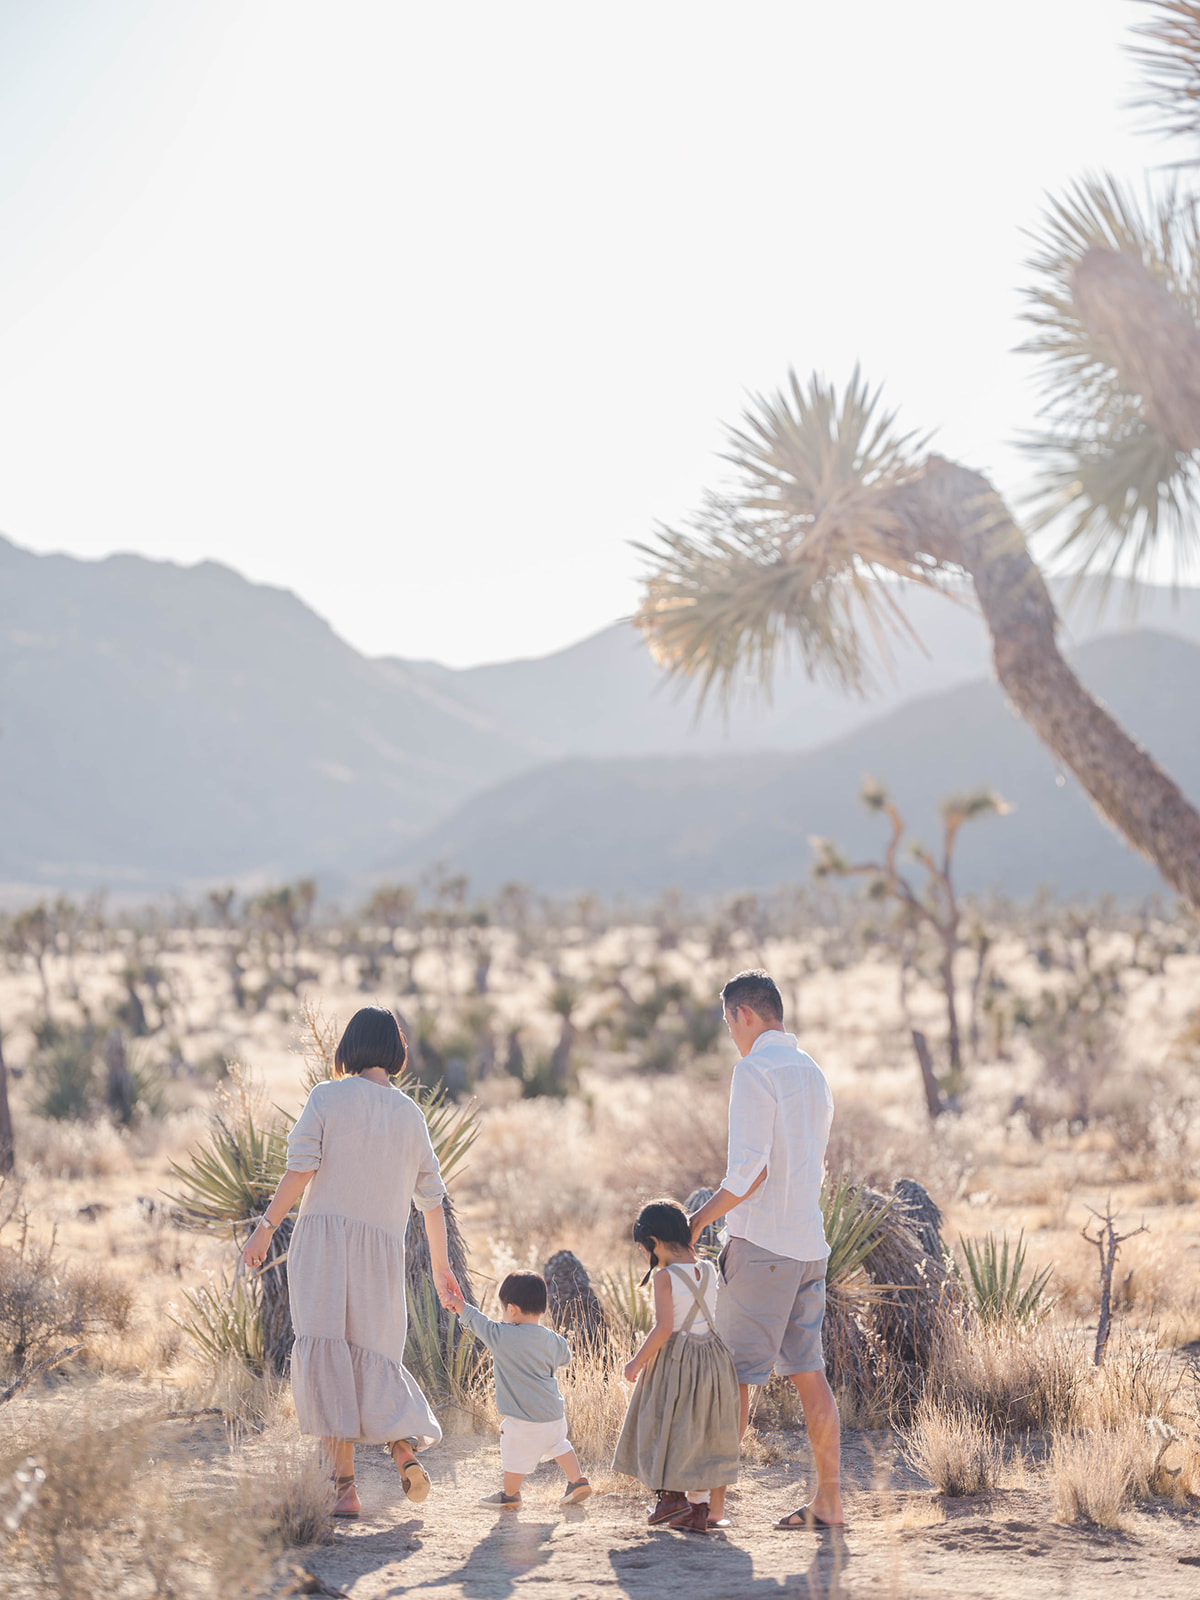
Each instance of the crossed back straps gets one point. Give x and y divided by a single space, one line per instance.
699 1303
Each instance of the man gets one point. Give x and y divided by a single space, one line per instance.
772 1299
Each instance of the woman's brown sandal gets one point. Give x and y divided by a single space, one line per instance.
341 1487
413 1476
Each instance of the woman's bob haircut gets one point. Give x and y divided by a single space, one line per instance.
372 1039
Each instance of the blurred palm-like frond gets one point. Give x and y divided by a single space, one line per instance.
853 1228
1104 464
796 553
1170 64
626 1303
226 1321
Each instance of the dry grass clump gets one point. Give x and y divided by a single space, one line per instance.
1018 1378
595 1398
103 1519
1096 1476
952 1446
291 1503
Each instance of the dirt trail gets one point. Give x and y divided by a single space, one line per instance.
987 1549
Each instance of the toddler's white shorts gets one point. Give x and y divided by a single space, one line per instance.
524 1444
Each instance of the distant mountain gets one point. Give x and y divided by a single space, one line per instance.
605 697
711 824
169 727
164 725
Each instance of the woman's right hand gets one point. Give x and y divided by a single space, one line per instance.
255 1251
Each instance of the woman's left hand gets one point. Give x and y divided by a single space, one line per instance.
631 1371
447 1288
255 1252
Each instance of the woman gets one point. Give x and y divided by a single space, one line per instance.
360 1155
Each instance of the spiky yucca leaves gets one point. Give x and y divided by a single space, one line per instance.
795 553
998 1293
1170 62
1113 277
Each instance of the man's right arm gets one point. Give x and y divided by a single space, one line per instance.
751 1126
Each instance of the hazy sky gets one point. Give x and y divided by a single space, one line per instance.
426 310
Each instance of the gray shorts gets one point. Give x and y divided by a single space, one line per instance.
769 1311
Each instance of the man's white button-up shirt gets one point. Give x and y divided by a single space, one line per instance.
780 1111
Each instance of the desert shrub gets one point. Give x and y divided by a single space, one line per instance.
72 1150
626 1303
1013 1378
595 1398
103 1521
952 1446
44 1304
225 1321
63 1071
1096 1476
292 1504
998 1291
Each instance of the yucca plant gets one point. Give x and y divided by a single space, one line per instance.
997 1287
853 1228
226 1320
444 1363
624 1300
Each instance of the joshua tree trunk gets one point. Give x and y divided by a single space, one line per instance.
955 515
7 1155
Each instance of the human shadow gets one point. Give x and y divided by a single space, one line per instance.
727 1569
509 1552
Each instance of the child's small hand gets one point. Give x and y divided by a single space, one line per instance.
631 1371
456 1303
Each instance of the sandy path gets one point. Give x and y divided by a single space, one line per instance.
1004 1546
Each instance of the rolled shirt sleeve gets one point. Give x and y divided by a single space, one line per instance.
304 1141
429 1190
751 1127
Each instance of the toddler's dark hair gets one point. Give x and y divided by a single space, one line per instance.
665 1220
526 1291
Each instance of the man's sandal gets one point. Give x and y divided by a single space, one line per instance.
413 1476
343 1486
804 1519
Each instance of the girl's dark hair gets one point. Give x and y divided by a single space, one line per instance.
526 1291
372 1039
665 1220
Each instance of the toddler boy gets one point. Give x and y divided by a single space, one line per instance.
525 1357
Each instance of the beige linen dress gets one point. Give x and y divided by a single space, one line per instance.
368 1148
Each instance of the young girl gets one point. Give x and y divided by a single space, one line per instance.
680 1435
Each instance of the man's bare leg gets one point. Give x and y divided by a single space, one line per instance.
825 1436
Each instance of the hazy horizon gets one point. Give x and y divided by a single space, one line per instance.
426 315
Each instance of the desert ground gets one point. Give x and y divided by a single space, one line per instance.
585 1047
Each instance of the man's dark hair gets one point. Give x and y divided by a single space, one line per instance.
372 1039
758 991
526 1291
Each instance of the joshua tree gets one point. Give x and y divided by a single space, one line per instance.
937 907
830 500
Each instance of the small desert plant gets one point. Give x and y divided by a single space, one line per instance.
595 1399
226 1321
443 1362
64 1072
44 1304
953 1447
293 1503
997 1291
624 1300
1015 1378
1097 1475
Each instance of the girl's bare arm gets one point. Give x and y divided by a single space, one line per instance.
664 1321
